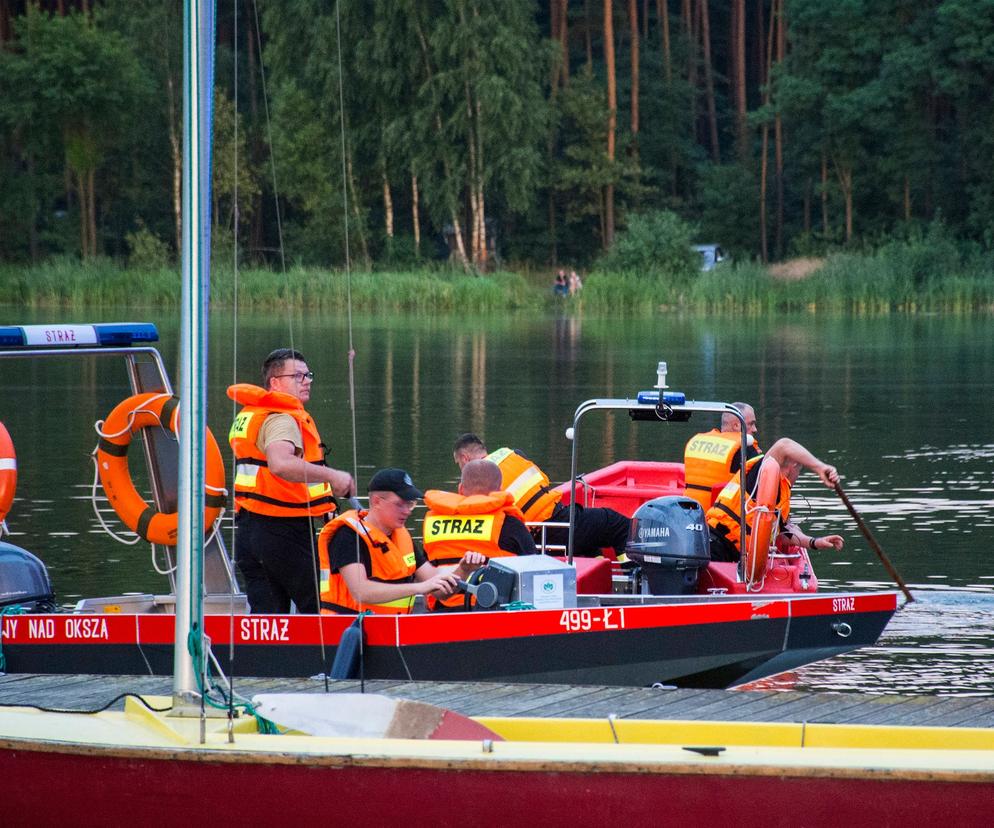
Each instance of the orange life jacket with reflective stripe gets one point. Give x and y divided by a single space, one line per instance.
723 517
256 488
707 462
456 524
392 561
527 484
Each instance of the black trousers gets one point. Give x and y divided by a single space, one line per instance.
594 529
278 561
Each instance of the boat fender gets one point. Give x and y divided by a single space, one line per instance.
8 473
348 652
150 410
762 520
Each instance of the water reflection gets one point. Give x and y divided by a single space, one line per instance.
941 644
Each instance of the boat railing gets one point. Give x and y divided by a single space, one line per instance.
146 373
654 405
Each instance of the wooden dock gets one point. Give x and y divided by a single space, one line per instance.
84 693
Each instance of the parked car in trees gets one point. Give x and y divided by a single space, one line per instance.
711 255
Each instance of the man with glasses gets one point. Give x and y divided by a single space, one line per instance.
281 484
368 559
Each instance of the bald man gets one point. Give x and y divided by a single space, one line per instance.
713 457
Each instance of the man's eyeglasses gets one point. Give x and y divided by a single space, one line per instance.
299 376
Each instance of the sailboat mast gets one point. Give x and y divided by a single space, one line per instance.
198 88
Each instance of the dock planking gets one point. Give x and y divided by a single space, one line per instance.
85 693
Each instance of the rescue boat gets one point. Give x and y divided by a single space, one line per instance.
588 621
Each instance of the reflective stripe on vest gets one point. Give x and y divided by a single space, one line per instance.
256 488
456 524
707 461
392 561
527 483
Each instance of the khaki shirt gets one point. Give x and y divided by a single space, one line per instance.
280 427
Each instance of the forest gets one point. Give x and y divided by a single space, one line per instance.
512 133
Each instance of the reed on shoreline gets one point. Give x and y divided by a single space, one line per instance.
882 282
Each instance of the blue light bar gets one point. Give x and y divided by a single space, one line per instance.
103 335
669 398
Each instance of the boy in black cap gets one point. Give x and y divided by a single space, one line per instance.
368 560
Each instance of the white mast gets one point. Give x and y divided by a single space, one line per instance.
198 92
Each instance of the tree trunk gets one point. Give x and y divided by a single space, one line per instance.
633 22
759 53
588 40
562 34
34 245
357 212
415 215
257 149
764 155
778 128
690 33
738 74
662 9
457 235
91 196
612 115
387 207
807 206
824 193
907 198
709 82
176 149
765 147
843 172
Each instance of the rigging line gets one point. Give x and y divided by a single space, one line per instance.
272 168
348 304
286 282
236 221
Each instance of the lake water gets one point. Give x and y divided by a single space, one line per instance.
901 405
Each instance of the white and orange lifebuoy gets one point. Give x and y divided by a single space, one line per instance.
762 520
127 419
8 472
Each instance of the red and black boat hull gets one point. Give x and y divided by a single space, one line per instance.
693 643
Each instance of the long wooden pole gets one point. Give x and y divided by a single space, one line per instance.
873 544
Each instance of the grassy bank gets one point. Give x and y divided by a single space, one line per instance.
898 279
97 283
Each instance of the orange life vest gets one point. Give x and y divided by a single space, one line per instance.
707 461
256 488
456 524
392 561
723 517
527 483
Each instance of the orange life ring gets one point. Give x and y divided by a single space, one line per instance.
8 472
761 522
126 420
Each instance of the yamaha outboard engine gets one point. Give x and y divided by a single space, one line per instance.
24 580
669 540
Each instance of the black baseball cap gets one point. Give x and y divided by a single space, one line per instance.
397 481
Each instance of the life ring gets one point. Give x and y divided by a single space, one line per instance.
761 521
127 419
8 472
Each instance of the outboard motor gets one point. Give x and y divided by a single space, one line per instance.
669 540
24 580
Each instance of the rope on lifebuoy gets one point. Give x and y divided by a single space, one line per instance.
8 476
149 410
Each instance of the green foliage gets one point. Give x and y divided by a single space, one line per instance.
656 244
146 250
727 206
